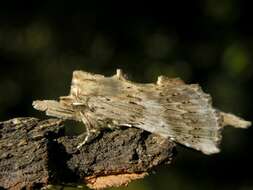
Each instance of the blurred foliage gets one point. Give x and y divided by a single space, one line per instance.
207 42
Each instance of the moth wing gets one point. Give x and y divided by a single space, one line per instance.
185 114
170 108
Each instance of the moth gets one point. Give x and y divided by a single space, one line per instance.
169 108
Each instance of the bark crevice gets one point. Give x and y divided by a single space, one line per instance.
35 153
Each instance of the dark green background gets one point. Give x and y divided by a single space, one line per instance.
207 42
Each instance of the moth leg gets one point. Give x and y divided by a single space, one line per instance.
89 129
77 101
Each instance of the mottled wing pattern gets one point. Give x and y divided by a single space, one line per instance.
169 108
185 114
109 98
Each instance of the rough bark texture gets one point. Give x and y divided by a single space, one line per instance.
35 153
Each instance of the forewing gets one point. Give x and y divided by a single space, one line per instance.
169 108
185 114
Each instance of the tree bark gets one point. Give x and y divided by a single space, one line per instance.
35 153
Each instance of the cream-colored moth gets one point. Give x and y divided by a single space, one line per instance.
169 108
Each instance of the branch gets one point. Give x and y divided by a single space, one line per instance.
35 153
